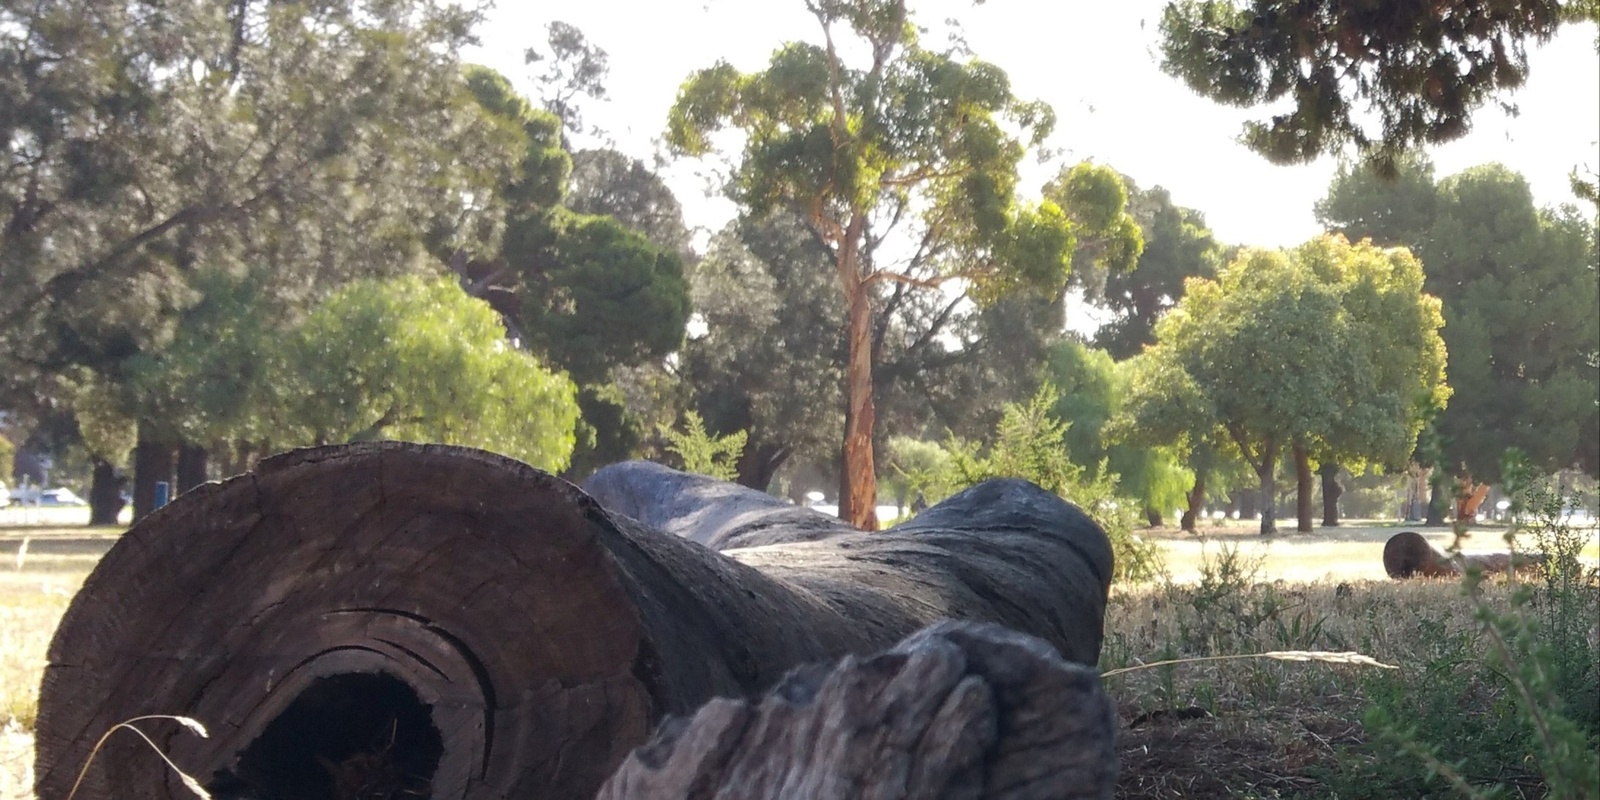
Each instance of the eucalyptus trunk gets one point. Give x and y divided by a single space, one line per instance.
760 462
1438 498
105 494
1268 472
1331 490
1249 505
858 485
193 466
1302 488
1153 516
1197 496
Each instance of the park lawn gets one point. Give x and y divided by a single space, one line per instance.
1350 552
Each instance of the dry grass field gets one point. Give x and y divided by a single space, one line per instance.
1238 728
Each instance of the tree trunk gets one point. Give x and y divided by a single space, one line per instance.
1438 498
858 485
1197 499
465 626
1249 505
152 464
958 710
1330 494
1302 488
1267 472
105 494
193 466
760 462
1153 516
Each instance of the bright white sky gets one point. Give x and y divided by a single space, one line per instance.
1094 62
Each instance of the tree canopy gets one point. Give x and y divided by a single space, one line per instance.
1329 345
589 292
146 145
901 144
1177 246
416 359
1384 77
1093 389
1518 285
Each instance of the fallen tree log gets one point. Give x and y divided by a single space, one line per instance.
1407 554
958 710
448 623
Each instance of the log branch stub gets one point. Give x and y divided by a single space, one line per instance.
958 711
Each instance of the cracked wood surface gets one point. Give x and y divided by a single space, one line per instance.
958 711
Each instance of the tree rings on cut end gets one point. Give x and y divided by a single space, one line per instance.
371 618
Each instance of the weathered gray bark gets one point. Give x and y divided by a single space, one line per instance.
956 711
466 623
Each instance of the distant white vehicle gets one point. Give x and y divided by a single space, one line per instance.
32 495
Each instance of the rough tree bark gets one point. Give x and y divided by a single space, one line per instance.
958 710
450 623
1302 488
858 483
1197 499
1330 494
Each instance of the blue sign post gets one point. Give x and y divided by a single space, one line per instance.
163 493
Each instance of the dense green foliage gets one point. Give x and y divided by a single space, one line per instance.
1093 391
1518 286
419 360
149 148
1330 347
1177 246
1031 443
704 453
590 292
768 360
1384 77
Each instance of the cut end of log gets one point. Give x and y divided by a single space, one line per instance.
1407 554
387 616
